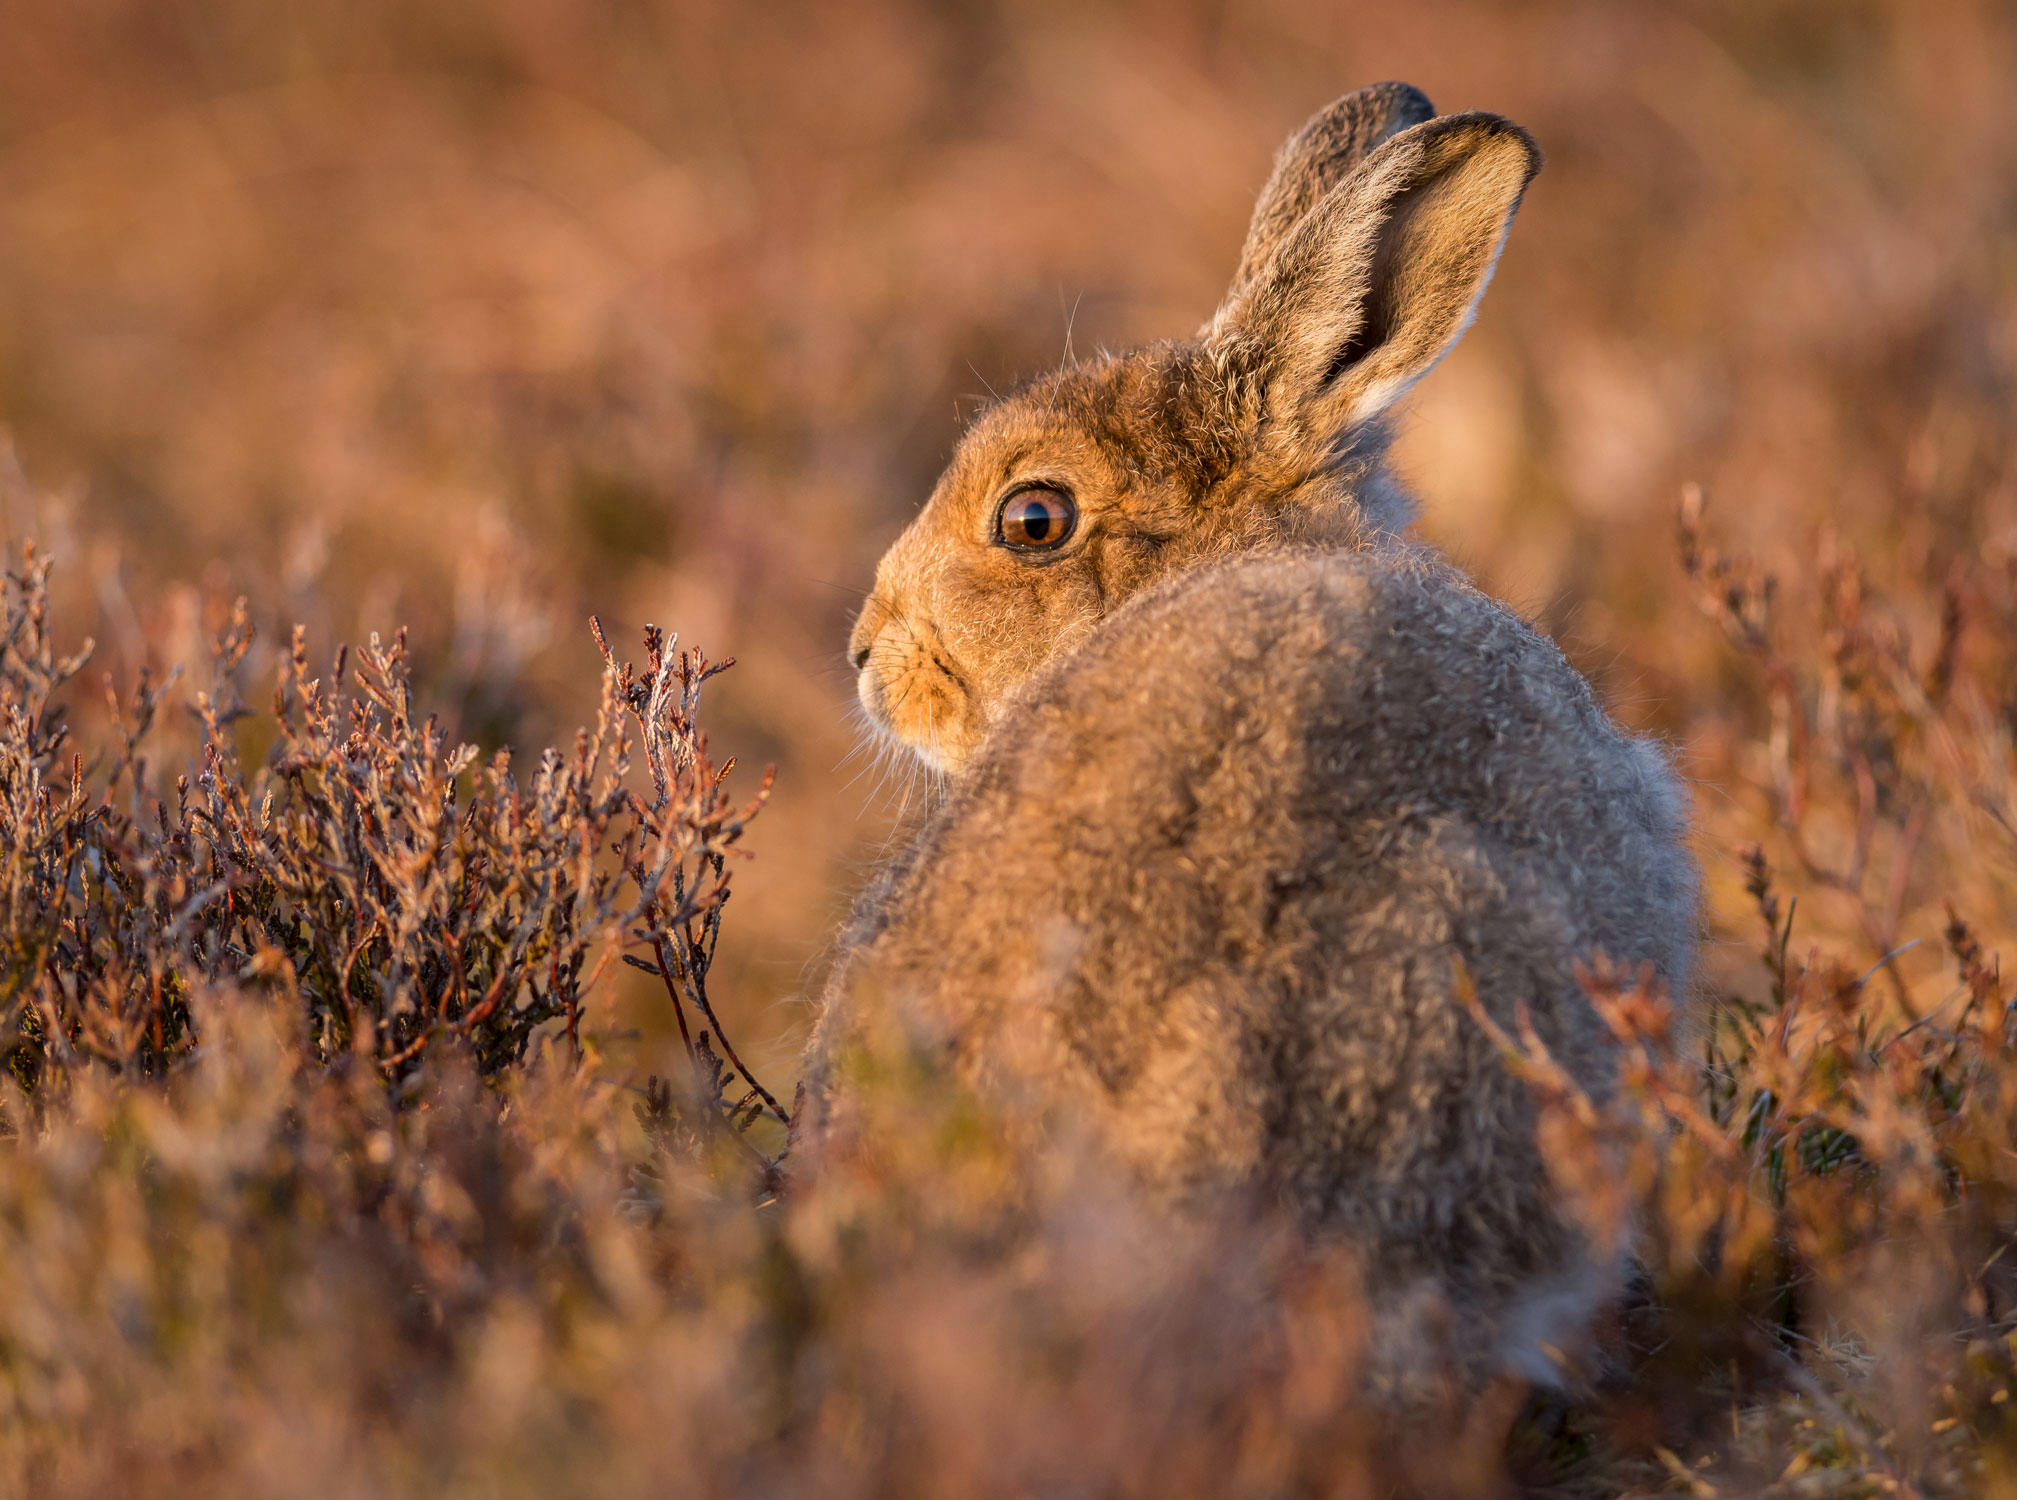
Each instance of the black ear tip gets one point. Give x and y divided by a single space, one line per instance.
1499 125
1403 100
1476 129
1370 115
1520 133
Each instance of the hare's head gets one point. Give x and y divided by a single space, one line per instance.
1369 249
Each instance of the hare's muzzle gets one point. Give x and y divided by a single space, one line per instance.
912 688
861 642
873 657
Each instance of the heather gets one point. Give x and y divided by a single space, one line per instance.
381 1102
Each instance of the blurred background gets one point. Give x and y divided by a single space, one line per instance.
480 318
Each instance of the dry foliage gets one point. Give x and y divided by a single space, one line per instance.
482 316
319 1183
393 889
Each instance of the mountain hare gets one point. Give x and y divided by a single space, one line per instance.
1243 785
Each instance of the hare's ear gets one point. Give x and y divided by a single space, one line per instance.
1320 156
1376 281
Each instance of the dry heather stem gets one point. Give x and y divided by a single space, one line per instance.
1817 1183
393 887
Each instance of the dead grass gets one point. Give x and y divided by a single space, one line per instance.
318 1183
335 1168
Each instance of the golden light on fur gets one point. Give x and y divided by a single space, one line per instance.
1271 779
912 690
1369 250
659 310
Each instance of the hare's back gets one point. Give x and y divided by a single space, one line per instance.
1299 699
1249 778
1211 882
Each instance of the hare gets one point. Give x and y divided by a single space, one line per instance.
1244 787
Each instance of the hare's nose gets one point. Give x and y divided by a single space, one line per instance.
866 628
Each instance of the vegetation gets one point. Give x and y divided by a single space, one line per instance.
316 1181
334 1163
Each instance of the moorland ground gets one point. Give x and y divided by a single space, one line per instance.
481 319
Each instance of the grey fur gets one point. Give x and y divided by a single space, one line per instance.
1241 779
1319 157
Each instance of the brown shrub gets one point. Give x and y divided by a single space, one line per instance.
391 889
268 1237
474 316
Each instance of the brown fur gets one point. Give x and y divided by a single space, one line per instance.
1243 779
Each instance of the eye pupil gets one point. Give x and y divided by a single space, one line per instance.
1037 518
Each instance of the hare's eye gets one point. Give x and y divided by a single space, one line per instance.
1038 517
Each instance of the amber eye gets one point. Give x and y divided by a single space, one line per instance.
1038 517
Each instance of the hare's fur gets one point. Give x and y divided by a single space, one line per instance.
1247 789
